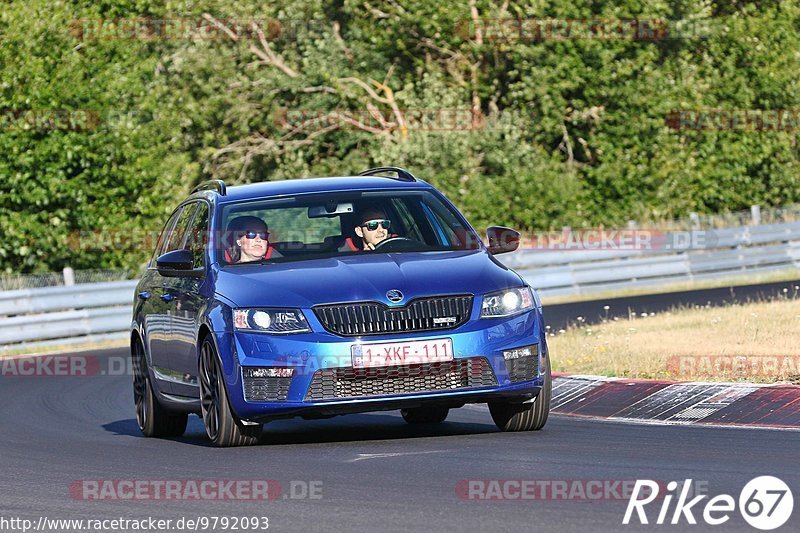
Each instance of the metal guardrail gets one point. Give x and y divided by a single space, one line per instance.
64 324
103 310
730 252
671 243
99 311
24 301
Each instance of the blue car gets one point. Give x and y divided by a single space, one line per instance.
320 297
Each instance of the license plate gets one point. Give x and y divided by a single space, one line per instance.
401 353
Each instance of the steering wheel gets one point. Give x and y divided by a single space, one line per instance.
396 244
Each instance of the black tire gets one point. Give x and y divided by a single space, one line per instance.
425 415
152 418
525 416
222 426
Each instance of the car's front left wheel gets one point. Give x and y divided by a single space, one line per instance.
222 426
529 416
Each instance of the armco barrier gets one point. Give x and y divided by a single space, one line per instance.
83 296
712 240
64 324
733 251
95 311
103 310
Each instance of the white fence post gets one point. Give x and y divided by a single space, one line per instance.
69 277
755 214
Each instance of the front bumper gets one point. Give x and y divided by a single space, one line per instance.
310 354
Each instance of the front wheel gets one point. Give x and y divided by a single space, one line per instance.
153 420
528 416
222 426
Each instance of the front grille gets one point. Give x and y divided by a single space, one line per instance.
424 377
375 318
523 368
266 389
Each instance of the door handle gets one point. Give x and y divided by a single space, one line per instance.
144 295
167 297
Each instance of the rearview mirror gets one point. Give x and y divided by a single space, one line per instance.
177 263
502 240
332 209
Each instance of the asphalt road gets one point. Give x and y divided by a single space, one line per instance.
558 316
376 473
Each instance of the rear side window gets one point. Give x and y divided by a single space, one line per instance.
164 234
197 240
178 234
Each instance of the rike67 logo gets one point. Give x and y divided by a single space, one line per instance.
765 503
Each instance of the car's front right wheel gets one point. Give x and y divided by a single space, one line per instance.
153 420
222 426
529 416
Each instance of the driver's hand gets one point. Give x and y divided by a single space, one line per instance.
369 246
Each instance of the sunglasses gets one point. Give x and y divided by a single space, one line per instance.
252 235
372 225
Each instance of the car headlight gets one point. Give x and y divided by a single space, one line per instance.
277 321
506 303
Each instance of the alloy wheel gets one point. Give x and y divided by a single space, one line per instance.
209 391
140 396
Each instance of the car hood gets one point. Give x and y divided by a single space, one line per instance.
364 277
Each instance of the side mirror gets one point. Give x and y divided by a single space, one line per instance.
502 240
177 263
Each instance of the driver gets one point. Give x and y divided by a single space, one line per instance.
373 228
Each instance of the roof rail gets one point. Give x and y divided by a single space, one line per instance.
211 185
402 174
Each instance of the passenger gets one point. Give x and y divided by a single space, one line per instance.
249 238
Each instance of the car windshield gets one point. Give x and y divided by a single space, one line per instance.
340 224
